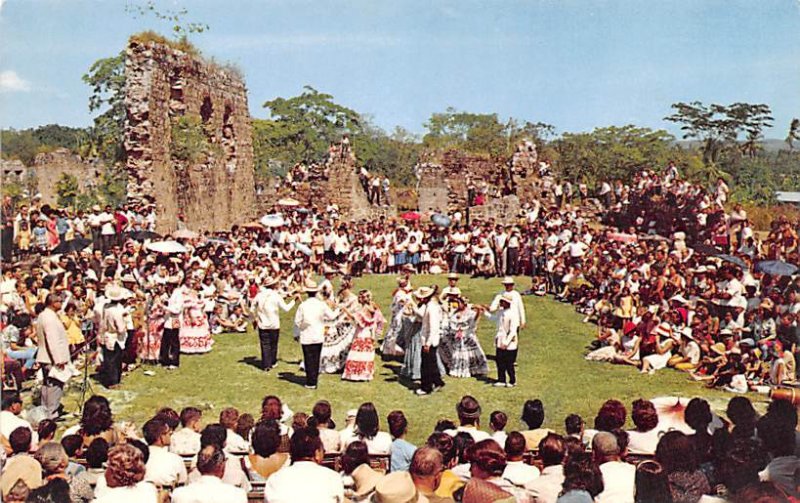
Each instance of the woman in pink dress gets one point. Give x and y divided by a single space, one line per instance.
360 363
195 332
150 345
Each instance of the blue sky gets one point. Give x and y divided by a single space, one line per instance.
577 64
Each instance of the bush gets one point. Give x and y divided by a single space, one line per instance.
189 142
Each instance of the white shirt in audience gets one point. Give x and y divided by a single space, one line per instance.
143 492
304 481
477 434
209 489
547 487
164 468
643 442
519 473
185 441
619 479
379 444
235 444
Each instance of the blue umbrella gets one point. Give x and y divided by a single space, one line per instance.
776 268
733 260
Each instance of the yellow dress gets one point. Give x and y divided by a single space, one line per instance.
74 333
450 483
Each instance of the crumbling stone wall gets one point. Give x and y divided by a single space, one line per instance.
444 185
214 189
49 168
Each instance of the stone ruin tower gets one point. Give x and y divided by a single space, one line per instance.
444 185
176 103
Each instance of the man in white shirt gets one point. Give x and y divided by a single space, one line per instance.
305 480
508 285
267 305
547 487
619 477
186 441
170 353
430 312
517 471
506 340
163 467
113 334
309 321
10 420
209 488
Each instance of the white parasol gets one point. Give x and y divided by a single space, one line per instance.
166 247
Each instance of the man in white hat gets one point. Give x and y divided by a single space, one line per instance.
516 304
309 324
266 310
452 285
506 340
113 335
430 312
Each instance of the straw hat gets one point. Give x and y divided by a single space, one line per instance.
397 487
269 281
115 293
310 286
508 280
365 479
452 275
718 348
23 469
423 292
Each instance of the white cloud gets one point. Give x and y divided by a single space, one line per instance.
10 82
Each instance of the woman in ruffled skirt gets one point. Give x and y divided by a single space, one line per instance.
360 363
460 350
339 334
401 301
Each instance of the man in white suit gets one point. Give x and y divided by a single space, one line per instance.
53 353
309 321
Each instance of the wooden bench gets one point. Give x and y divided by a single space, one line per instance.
379 462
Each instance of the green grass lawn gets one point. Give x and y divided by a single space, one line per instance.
551 368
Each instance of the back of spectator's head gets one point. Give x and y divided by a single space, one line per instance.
573 424
96 416
778 437
533 414
154 430
463 441
244 425
611 416
651 483
675 452
20 440
141 447
742 414
228 418
573 445
644 415
698 415
266 438
211 461
52 458
126 466
355 455
740 464
443 443
10 400
97 453
190 415
398 424
783 410
426 462
46 430
515 445
55 491
605 446
468 410
305 445
498 420
367 421
72 444
582 474
321 413
215 434
300 420
488 458
552 449
169 416
444 425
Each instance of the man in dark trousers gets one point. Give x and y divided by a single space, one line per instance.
430 311
267 305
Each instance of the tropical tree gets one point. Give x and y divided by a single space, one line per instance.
67 189
794 133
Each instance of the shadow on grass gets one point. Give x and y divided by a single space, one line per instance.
398 377
292 378
252 361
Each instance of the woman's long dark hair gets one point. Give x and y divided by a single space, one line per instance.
367 421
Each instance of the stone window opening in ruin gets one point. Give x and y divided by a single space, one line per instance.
229 139
177 106
206 114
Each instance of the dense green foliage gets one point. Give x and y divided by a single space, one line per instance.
26 143
107 80
67 189
189 140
